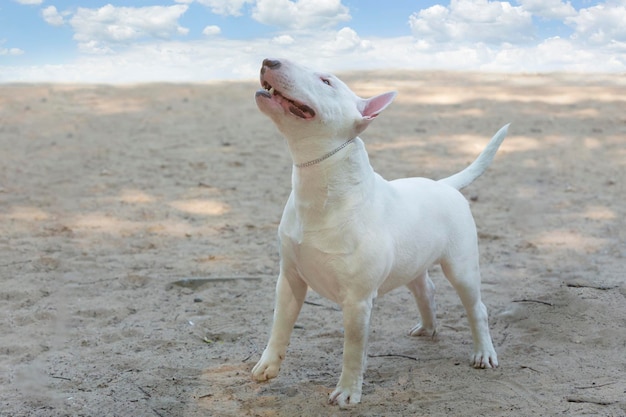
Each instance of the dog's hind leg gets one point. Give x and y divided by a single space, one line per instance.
423 290
464 275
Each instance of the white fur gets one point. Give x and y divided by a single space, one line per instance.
351 236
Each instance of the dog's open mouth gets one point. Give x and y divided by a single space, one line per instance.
294 107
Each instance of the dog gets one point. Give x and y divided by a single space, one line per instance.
350 235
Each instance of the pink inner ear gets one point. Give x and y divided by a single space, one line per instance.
373 106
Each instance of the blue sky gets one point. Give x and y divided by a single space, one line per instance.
196 40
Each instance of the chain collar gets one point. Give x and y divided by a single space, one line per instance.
326 156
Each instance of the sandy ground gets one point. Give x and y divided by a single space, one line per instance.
138 251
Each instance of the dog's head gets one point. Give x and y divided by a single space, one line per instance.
306 104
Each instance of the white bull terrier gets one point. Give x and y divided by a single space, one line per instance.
350 235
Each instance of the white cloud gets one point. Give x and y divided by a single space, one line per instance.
97 29
601 24
11 51
300 14
52 16
195 60
557 54
346 40
550 9
464 35
472 21
283 40
30 2
211 30
94 47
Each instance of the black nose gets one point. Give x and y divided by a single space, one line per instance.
271 63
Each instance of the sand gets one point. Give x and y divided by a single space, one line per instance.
138 251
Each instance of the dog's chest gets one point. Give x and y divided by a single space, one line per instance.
323 261
334 235
332 259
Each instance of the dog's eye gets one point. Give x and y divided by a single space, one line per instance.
326 81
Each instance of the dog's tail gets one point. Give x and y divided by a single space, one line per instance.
468 175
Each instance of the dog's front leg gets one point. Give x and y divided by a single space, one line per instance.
290 294
356 319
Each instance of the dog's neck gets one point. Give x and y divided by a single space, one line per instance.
341 179
307 148
325 156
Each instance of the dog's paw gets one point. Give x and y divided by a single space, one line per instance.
421 330
345 397
267 367
484 359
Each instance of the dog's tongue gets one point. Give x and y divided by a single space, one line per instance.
301 110
294 107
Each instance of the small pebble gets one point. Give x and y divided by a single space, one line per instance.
197 300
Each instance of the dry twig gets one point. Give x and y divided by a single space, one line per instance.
393 355
528 300
589 400
595 287
597 386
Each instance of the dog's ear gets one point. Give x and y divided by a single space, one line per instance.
371 107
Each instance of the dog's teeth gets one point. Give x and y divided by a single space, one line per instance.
272 90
